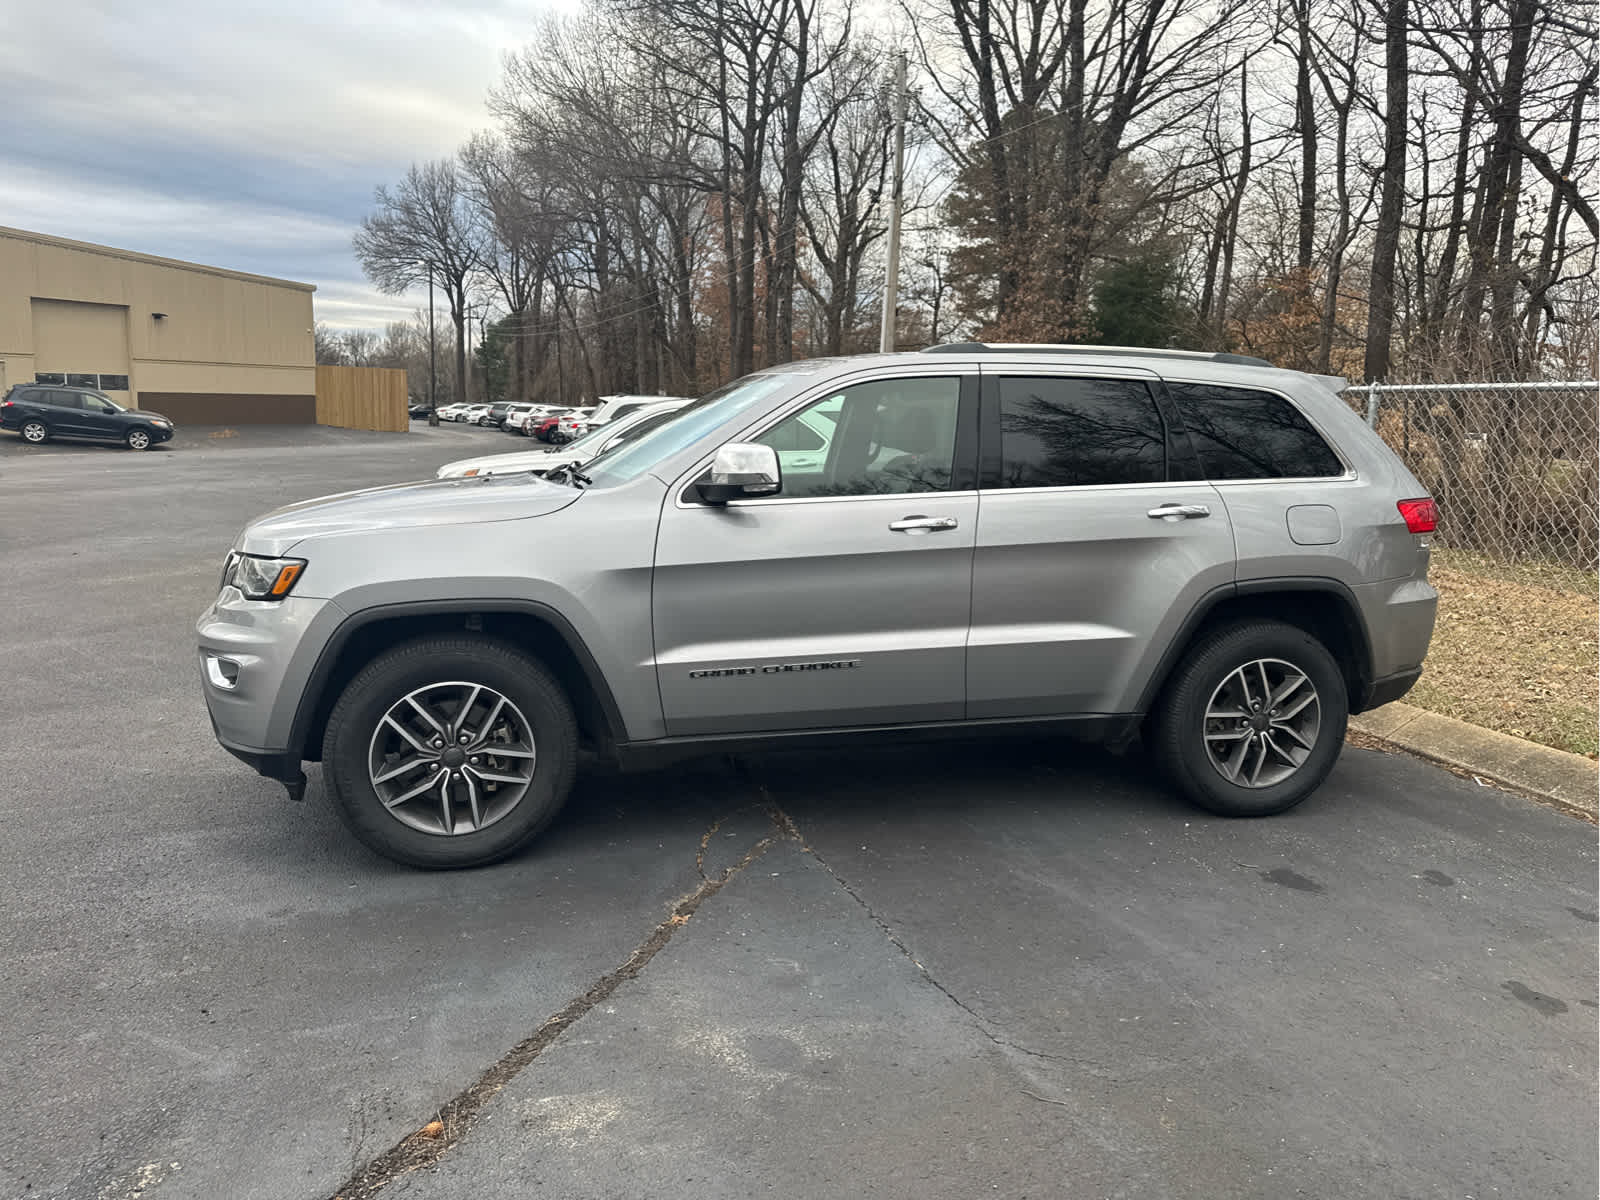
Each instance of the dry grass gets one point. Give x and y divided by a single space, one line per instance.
1513 655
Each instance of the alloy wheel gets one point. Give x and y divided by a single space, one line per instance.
34 432
451 758
1261 723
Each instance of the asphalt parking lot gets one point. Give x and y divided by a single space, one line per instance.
1014 969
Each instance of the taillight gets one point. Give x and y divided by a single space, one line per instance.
1421 516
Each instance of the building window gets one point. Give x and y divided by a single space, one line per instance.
78 379
49 377
113 383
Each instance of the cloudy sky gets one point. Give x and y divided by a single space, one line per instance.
238 133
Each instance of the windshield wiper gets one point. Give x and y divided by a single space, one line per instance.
570 474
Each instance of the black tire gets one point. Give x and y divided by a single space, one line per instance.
415 664
35 433
138 439
1179 721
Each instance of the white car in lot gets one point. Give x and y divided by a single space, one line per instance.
584 449
612 408
449 412
511 422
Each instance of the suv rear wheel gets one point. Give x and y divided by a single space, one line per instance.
1253 719
35 433
450 751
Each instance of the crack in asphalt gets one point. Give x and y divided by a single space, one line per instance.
454 1119
791 832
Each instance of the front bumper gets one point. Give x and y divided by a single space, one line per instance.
255 658
283 767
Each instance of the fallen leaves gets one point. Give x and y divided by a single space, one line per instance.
1513 656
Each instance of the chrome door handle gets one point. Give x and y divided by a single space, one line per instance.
921 524
1178 512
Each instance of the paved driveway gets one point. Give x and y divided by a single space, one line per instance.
1009 969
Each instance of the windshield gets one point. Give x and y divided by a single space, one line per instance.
637 429
691 422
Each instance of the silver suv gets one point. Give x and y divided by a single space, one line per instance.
1196 548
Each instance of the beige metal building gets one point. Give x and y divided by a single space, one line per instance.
200 344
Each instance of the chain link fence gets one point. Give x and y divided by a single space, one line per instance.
1514 467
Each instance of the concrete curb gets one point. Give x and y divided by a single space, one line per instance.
1567 781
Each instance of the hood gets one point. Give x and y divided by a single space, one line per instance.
407 505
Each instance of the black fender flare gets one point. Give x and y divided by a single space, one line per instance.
311 696
1208 603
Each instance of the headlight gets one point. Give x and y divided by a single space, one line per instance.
262 578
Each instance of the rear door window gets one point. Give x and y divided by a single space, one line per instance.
1067 431
1244 433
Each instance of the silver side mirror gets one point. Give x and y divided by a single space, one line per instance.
739 471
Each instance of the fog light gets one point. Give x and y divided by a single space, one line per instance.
222 672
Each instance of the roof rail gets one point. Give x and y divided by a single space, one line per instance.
1237 360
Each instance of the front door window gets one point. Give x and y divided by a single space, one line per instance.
887 437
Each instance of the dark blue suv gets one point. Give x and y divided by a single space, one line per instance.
41 411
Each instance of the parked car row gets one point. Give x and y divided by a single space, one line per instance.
556 424
590 445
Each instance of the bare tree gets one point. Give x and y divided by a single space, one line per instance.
1062 94
328 344
424 228
1386 241
844 187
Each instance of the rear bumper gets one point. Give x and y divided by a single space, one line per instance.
1386 690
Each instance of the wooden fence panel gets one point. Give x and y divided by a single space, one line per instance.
362 398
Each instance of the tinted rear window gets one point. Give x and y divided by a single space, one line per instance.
1070 432
1241 433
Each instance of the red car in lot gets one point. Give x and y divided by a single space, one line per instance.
556 427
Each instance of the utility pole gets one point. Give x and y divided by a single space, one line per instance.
466 355
433 360
891 271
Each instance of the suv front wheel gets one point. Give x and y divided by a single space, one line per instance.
451 751
1253 719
